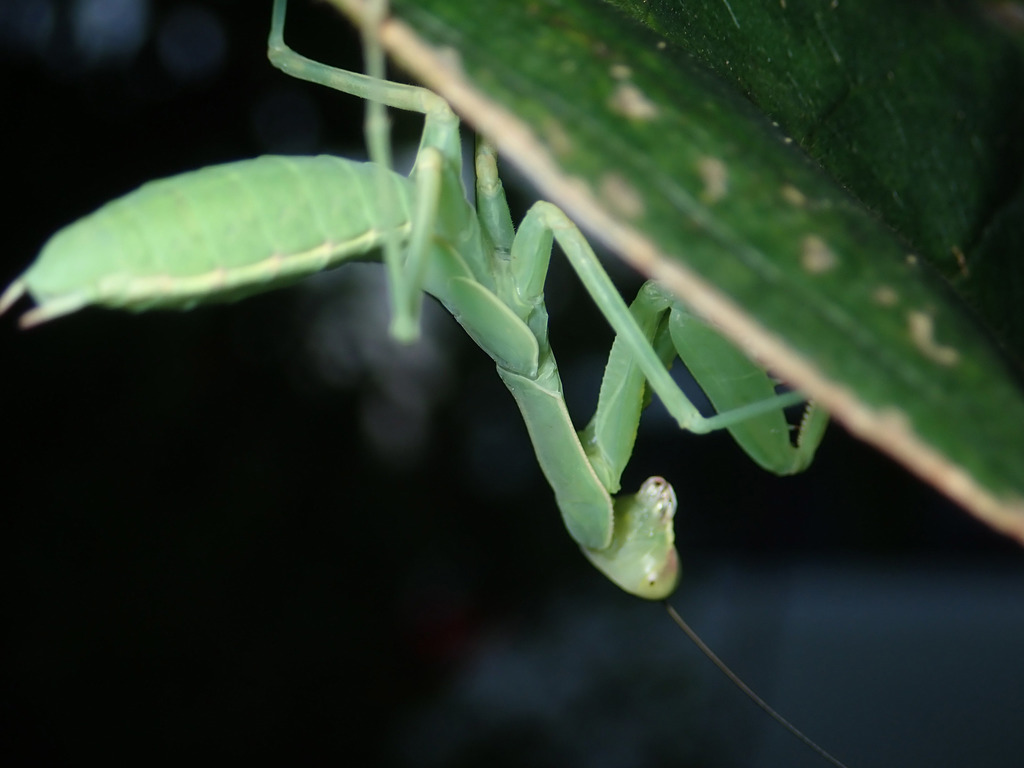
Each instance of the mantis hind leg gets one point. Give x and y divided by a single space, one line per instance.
439 147
731 382
372 88
648 336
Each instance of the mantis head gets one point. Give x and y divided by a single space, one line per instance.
642 557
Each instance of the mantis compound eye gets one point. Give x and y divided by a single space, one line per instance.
659 497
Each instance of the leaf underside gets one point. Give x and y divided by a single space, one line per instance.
916 108
681 175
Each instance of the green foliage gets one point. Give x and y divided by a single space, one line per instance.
683 176
916 108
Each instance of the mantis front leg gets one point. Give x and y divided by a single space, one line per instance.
629 539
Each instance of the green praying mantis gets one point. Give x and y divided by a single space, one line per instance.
229 231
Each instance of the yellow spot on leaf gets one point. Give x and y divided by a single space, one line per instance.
556 137
816 257
922 333
630 101
621 196
715 177
794 196
961 260
886 296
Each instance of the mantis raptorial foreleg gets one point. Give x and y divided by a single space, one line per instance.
187 240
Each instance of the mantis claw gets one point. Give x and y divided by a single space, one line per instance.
14 292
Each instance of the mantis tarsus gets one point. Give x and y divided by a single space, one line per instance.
227 231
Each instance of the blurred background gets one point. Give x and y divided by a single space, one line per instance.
264 531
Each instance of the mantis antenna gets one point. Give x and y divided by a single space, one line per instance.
735 680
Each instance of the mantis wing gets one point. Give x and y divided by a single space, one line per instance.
216 234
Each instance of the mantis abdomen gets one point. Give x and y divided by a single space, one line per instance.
216 234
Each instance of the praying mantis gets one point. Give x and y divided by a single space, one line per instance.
228 231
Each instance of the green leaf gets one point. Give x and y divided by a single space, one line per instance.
916 108
686 179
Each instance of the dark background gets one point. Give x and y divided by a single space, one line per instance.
264 531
